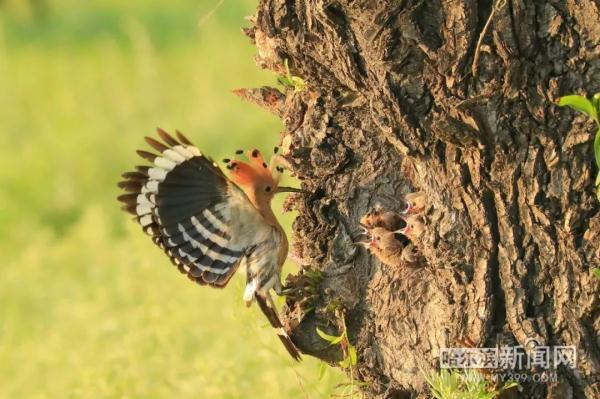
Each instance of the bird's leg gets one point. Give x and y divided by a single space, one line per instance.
287 290
270 300
282 290
278 287
300 286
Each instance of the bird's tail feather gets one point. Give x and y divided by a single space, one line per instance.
266 306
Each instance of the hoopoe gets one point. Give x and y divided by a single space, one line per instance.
207 223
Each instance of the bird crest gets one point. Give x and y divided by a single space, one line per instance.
256 171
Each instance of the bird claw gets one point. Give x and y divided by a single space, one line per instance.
287 290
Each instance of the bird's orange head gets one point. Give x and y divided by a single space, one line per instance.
258 180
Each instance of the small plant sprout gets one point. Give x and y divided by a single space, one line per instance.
467 384
348 350
305 291
350 357
290 80
590 108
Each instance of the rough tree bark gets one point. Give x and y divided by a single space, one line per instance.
455 98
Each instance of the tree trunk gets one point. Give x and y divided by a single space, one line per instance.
454 98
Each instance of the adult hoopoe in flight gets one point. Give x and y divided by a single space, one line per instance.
207 223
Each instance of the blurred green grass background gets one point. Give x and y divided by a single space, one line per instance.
89 308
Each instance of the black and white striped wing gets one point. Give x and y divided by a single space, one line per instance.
181 201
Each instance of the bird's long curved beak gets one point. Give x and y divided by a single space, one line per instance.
283 189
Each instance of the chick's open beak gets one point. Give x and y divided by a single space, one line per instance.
365 230
405 231
362 239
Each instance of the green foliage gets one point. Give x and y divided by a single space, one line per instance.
349 350
591 108
581 104
597 152
597 273
89 307
332 339
349 359
468 384
289 80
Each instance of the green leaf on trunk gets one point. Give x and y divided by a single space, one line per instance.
346 363
581 104
332 339
596 103
352 355
597 148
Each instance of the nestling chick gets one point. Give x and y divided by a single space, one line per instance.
411 255
386 245
379 217
386 240
414 227
415 203
389 235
